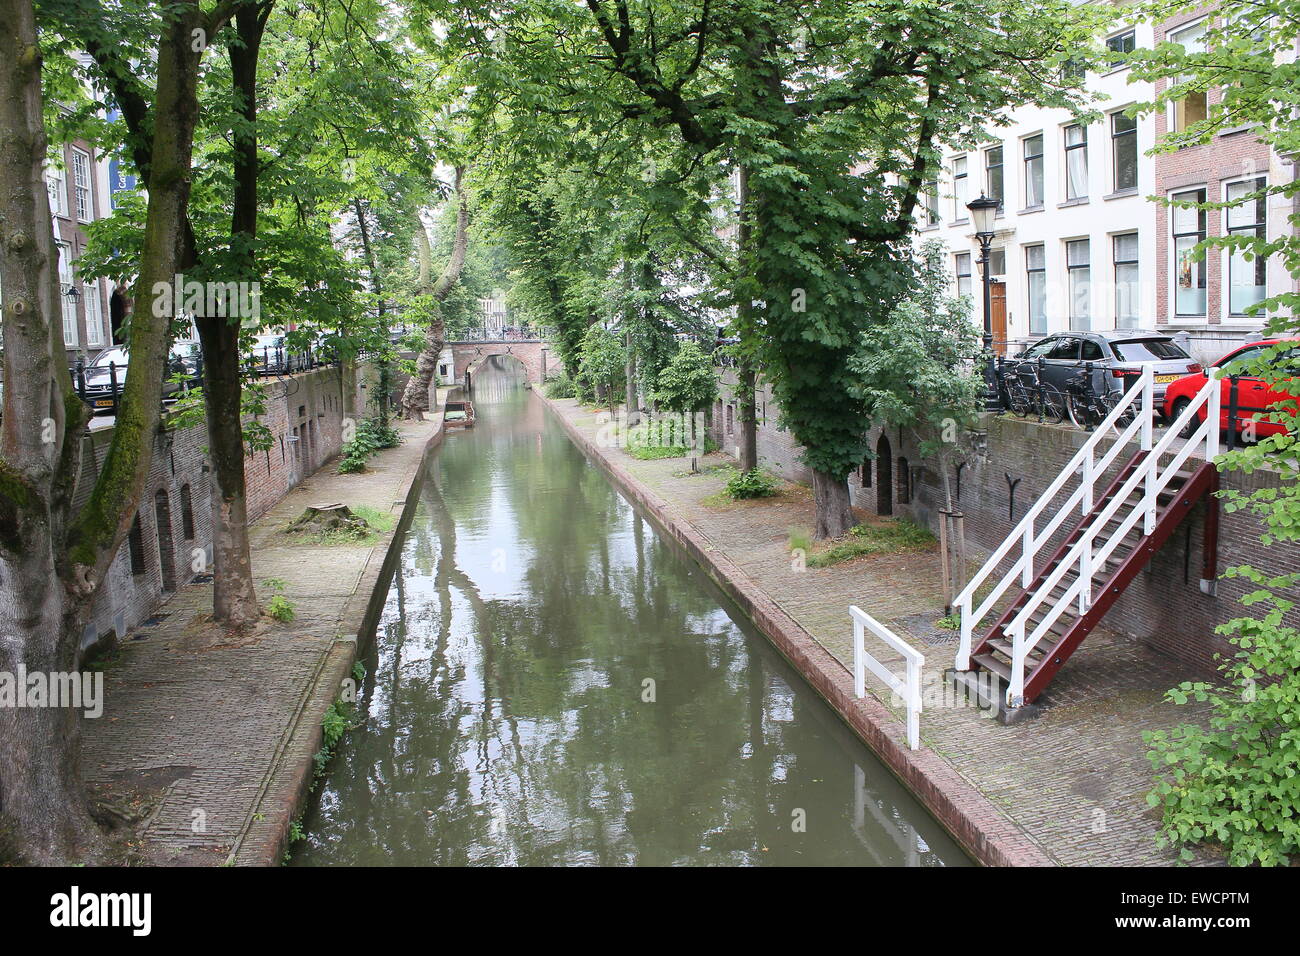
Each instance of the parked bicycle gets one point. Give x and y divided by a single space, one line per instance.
1087 409
1025 393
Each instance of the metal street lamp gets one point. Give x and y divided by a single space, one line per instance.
982 211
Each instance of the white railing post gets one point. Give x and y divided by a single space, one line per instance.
963 649
1213 409
1086 572
1088 480
1148 413
913 704
859 668
1016 687
1029 552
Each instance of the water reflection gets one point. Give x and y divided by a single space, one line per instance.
553 684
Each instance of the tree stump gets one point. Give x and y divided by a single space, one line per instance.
328 517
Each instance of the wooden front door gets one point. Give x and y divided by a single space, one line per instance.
998 313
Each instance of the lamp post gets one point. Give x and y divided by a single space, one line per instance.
982 211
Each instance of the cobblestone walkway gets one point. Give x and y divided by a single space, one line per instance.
196 724
1074 780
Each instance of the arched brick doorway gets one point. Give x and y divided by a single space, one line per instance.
884 476
166 553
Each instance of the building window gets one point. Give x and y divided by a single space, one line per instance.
1034 171
865 473
58 186
70 337
1124 149
1247 278
1192 107
1079 280
187 513
1076 161
94 326
961 265
1119 46
1189 271
904 482
1126 281
993 179
997 262
960 192
81 184
135 545
930 199
1036 283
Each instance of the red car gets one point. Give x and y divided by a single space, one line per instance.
1253 395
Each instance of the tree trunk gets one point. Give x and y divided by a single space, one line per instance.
630 396
415 399
234 598
349 375
834 513
44 817
747 410
747 380
53 561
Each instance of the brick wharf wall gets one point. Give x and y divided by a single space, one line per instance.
777 448
173 535
1163 607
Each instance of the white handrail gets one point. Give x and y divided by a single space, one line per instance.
1083 460
1085 555
907 687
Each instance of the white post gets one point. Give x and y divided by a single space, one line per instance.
1016 689
1153 467
1029 551
963 649
1085 572
1088 480
1213 409
859 675
913 704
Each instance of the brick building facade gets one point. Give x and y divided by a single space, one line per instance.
170 541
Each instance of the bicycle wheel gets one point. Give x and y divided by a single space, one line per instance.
1053 405
1080 411
1018 402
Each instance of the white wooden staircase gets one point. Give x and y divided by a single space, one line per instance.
1111 534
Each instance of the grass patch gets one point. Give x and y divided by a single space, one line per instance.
950 623
885 537
654 452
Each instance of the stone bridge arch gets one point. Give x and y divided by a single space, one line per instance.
532 354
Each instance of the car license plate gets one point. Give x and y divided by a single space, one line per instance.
1163 379
103 403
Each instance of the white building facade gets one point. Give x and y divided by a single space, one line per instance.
1075 243
1080 242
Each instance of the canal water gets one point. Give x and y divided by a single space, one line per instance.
552 683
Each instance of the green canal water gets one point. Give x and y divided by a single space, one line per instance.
553 683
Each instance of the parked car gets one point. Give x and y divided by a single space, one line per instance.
1118 357
1253 394
268 354
106 375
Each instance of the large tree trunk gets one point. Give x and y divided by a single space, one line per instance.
44 817
834 512
746 377
234 598
52 562
415 399
349 375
